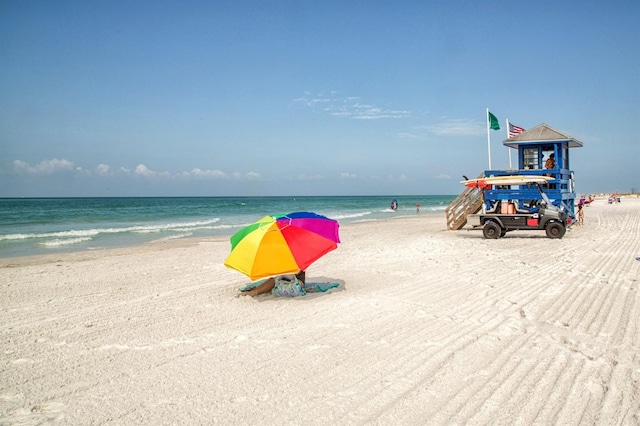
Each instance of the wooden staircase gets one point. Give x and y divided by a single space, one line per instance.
469 202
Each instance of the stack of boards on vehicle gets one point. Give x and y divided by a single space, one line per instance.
487 182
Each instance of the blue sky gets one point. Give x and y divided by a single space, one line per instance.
146 98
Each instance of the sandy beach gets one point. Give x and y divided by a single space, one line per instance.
428 326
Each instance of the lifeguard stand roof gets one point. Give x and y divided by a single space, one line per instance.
539 134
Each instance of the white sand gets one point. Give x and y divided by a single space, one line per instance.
429 326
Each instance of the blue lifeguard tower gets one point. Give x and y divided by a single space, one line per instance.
534 147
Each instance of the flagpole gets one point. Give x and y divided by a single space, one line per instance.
508 147
488 139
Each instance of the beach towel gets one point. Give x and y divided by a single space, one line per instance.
320 287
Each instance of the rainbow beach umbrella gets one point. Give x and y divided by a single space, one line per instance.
282 244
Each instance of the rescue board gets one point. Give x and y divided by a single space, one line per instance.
505 180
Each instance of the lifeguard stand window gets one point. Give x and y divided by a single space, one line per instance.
530 159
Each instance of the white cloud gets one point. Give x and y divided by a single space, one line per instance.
371 112
456 127
310 177
206 174
82 171
345 175
45 167
348 107
443 176
142 170
253 176
398 178
103 169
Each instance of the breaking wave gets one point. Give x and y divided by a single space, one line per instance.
88 234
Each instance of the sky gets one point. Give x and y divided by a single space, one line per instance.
262 98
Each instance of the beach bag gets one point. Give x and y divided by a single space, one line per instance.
288 286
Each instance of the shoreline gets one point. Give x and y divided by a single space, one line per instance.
428 326
62 226
167 244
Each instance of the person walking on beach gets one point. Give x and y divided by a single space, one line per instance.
417 208
580 215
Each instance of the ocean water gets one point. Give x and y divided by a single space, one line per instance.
30 226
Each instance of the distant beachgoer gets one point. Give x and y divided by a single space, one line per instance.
418 208
282 285
581 202
580 215
394 205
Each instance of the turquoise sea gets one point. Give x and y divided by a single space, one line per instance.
30 226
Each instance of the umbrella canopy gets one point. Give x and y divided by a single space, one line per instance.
282 244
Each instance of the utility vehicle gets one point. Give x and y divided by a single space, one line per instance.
505 216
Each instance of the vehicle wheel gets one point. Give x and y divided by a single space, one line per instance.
491 230
555 230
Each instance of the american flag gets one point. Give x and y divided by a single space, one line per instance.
514 130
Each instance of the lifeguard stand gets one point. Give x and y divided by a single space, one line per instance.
534 148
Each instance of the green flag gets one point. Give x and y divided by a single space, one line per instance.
493 122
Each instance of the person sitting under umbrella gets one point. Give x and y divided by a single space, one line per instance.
282 285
